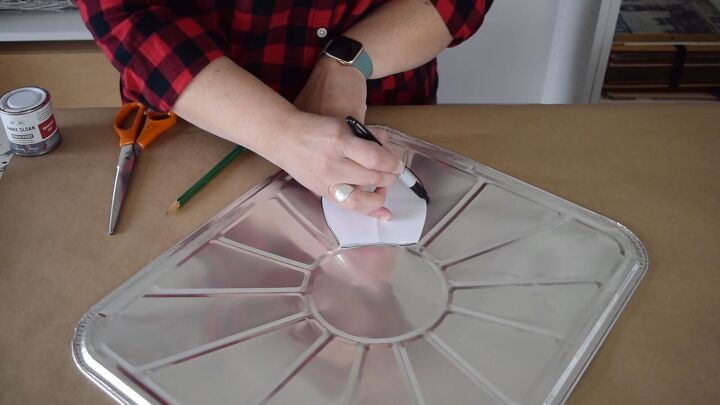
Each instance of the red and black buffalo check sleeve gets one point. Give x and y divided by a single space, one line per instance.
160 45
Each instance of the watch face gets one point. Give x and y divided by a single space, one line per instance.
344 48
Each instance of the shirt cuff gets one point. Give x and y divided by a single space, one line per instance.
167 61
462 18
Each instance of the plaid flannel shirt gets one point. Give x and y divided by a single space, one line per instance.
160 45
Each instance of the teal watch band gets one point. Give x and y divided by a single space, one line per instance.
364 64
349 52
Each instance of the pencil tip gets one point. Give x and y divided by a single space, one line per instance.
174 207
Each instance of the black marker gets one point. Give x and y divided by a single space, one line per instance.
406 176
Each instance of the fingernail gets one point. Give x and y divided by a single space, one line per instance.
400 167
382 217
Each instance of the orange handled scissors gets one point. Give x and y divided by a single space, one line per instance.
137 128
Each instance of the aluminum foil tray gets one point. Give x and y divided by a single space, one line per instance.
505 299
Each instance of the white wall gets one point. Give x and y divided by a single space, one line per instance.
531 51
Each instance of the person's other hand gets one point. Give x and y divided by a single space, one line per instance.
334 90
321 153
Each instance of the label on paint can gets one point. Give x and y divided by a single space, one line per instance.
28 121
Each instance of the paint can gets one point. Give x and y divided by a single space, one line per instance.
28 121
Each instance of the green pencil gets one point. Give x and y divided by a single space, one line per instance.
187 195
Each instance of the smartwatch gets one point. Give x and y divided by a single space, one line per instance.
349 52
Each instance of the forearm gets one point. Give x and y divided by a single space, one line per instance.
417 33
226 100
319 152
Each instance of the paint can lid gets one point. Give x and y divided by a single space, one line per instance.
22 99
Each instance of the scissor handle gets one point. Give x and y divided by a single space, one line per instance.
155 124
129 134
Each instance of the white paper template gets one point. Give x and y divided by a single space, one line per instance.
403 228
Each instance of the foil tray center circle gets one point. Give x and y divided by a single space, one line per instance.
377 294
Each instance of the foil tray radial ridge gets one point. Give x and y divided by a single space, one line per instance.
505 299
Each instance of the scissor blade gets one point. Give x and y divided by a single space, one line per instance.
125 165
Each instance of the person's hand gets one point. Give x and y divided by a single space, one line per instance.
334 90
321 153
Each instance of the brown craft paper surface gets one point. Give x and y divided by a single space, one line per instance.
653 168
